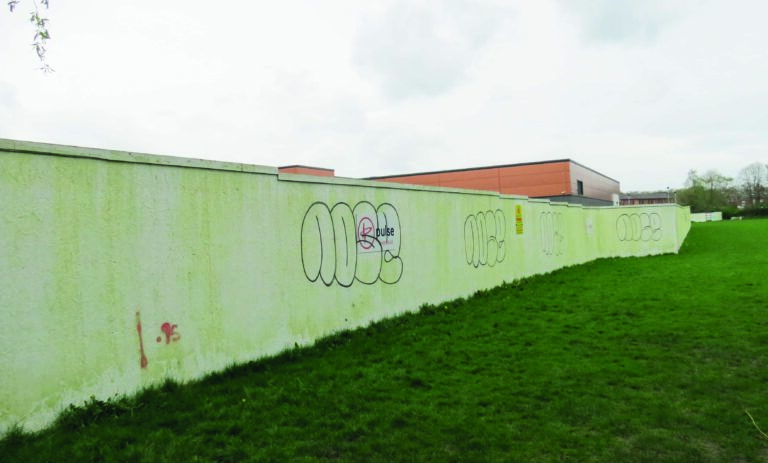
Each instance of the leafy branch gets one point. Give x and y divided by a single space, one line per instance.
42 35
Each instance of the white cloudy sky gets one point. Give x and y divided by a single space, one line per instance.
640 90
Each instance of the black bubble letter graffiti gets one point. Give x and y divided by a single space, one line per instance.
343 244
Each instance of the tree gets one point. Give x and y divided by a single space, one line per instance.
41 30
753 180
718 186
707 192
693 194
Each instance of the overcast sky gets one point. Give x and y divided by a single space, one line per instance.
639 90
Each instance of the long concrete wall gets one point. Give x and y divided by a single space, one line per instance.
118 269
707 217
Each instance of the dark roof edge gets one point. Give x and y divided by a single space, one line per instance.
593 170
465 169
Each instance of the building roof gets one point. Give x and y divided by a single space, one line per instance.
301 166
467 169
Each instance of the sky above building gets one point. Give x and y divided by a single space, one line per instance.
640 90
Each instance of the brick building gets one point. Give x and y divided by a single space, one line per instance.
559 180
635 199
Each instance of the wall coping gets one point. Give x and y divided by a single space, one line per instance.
49 149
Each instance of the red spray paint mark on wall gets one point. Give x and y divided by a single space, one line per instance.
144 361
170 333
168 329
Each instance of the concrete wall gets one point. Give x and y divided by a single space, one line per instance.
120 269
707 217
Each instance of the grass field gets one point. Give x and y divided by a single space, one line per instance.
619 360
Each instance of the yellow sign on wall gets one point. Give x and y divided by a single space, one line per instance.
519 219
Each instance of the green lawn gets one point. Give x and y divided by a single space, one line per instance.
639 359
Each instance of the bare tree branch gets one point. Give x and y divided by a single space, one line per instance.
753 181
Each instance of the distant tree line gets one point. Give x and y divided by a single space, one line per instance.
712 191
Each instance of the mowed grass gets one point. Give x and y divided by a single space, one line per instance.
619 360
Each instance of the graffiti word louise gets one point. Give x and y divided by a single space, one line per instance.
552 233
484 238
639 227
344 244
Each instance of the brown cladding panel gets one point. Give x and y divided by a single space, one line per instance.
472 184
426 179
305 170
547 179
481 179
535 180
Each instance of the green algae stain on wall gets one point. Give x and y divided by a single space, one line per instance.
121 270
53 281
